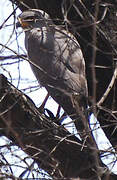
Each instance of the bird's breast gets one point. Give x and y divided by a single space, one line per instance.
40 49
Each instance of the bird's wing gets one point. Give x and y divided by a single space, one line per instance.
69 51
72 66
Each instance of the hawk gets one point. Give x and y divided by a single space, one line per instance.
56 59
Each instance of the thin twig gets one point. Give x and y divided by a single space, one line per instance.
114 77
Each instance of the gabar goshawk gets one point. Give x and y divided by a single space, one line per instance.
56 59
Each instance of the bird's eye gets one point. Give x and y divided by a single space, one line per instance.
30 18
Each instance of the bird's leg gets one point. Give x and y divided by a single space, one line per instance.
58 117
58 111
41 108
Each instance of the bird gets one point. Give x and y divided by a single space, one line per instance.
56 59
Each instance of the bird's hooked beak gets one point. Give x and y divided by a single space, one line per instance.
21 23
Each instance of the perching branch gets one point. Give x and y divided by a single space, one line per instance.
50 145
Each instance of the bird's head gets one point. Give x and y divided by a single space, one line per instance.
33 18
